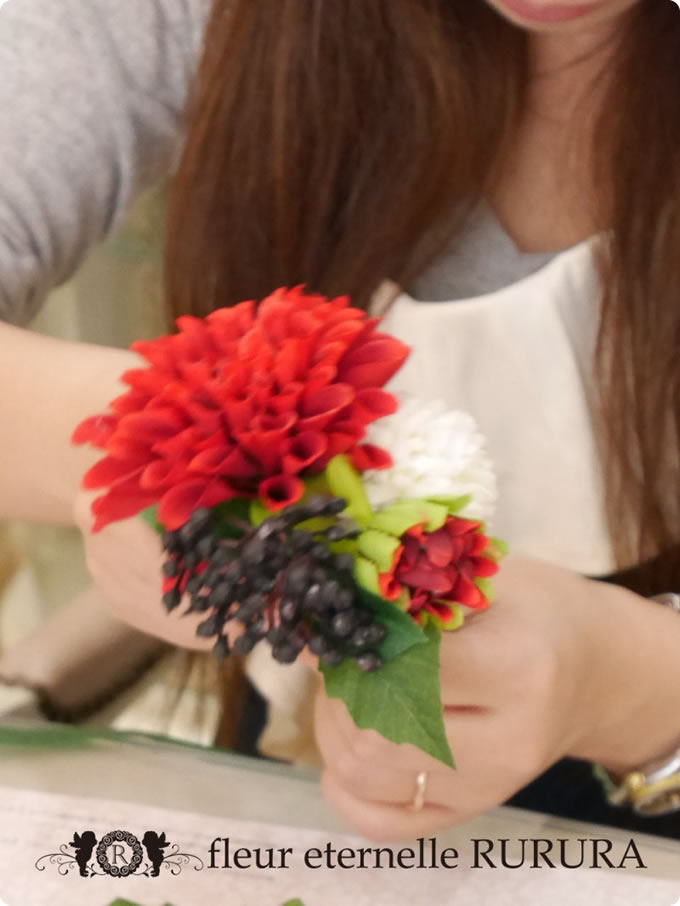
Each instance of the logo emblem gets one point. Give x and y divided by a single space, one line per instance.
119 854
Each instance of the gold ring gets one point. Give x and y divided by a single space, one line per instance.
419 797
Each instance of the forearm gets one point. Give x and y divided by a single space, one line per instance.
79 655
47 386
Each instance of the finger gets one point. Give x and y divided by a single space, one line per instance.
367 765
380 822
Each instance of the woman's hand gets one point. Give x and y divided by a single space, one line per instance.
559 665
125 560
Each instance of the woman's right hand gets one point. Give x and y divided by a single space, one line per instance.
125 560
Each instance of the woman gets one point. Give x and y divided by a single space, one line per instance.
451 147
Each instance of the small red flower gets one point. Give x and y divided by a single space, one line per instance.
439 569
242 404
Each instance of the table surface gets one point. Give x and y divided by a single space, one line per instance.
151 773
143 770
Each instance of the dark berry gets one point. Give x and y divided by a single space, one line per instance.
343 624
341 530
171 568
221 594
172 599
258 628
194 585
211 626
191 561
332 658
301 541
277 636
319 575
251 607
200 519
368 636
269 527
320 552
335 506
344 562
368 661
284 654
223 557
254 552
313 599
318 645
344 600
330 591
199 604
205 547
296 579
221 649
290 609
244 644
316 505
365 617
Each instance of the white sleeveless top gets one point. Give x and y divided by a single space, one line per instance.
520 360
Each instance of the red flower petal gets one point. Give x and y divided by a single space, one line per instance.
280 491
95 430
151 424
485 567
177 505
390 588
368 456
115 506
161 474
466 592
110 471
209 461
372 403
424 576
373 362
304 450
238 467
318 407
439 548
147 380
457 526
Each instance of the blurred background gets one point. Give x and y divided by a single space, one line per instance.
113 299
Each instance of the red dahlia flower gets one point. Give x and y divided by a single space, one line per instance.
439 569
241 404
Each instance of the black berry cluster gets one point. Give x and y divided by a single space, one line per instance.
278 581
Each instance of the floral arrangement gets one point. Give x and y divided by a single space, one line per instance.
303 504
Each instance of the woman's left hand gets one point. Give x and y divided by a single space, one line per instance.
558 665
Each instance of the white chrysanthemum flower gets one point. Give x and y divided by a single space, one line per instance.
436 451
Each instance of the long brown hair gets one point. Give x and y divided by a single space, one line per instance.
329 140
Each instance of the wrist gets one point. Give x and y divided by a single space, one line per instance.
633 709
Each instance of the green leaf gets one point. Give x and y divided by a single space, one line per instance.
399 517
258 512
402 630
344 481
293 903
120 902
501 548
366 575
400 700
150 516
379 547
486 587
453 504
454 623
